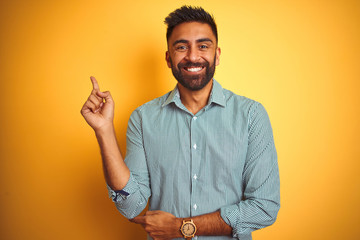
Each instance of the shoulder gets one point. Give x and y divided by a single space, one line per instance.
251 110
239 102
152 106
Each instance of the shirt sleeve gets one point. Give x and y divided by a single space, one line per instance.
132 199
261 184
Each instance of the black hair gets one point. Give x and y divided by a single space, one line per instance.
189 14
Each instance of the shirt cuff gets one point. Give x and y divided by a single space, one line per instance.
231 216
124 193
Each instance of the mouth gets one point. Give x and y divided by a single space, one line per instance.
193 69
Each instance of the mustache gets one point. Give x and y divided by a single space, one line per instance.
193 64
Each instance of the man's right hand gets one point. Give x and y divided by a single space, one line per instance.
98 110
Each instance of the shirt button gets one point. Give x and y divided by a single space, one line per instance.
194 118
195 206
195 177
195 146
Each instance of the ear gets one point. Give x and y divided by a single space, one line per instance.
167 58
218 52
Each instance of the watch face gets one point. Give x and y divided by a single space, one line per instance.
188 229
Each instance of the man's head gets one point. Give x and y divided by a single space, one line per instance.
192 46
189 14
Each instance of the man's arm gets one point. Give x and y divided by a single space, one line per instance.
98 112
261 185
163 225
130 192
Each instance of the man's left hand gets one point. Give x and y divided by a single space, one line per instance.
160 225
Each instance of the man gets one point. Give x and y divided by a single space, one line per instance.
203 156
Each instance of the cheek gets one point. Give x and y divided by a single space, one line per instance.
177 61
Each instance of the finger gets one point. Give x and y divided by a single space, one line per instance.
94 83
90 105
94 93
84 110
105 95
151 213
138 220
95 100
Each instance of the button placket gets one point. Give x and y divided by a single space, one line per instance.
194 159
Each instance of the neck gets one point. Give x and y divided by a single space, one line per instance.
194 101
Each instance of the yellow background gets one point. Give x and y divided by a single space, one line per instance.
301 59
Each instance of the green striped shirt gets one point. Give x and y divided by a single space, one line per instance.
221 159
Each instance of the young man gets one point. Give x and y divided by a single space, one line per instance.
203 156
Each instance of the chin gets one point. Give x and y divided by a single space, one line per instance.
195 84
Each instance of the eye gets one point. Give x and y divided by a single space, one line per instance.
203 46
181 48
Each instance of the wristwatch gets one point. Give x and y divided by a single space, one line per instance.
188 228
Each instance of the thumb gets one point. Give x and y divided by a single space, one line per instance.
105 95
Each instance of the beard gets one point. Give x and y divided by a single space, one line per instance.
195 82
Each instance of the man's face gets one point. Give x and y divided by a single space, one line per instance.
193 54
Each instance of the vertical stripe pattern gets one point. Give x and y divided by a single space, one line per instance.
223 158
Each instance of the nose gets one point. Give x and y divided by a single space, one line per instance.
193 54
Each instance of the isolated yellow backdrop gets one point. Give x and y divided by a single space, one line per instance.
301 59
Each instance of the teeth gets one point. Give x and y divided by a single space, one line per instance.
194 69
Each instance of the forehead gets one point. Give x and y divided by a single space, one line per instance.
192 31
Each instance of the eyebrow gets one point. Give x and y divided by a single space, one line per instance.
198 41
180 41
204 40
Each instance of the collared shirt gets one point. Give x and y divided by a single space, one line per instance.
222 158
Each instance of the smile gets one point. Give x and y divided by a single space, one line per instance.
193 69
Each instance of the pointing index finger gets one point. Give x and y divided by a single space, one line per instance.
94 83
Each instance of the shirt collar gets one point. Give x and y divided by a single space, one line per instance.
174 95
216 95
